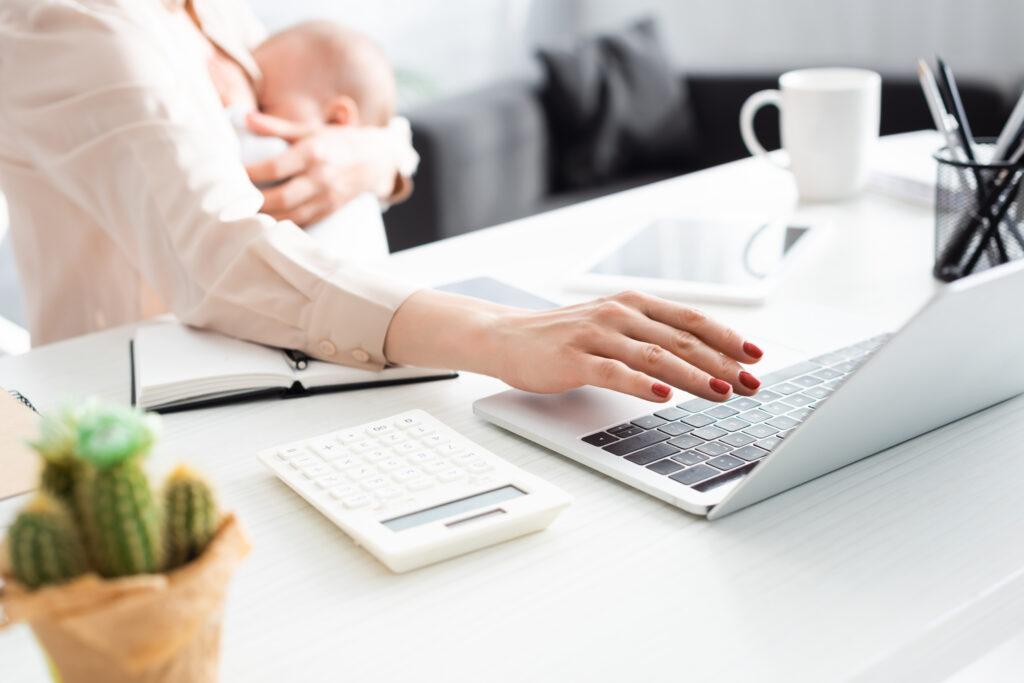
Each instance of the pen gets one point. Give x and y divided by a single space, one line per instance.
298 358
1010 132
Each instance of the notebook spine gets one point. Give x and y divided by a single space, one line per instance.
18 396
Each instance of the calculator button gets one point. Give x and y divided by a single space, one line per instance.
390 464
379 429
350 436
347 462
330 480
421 456
419 431
374 482
407 447
363 446
450 449
478 465
433 440
435 466
388 492
305 461
418 484
377 455
357 500
327 448
407 422
316 471
392 439
405 474
360 472
342 491
292 452
451 474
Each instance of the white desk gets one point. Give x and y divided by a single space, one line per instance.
901 567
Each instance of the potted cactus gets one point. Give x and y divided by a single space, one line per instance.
120 583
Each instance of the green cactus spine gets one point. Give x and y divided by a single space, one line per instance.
120 514
190 514
44 545
56 444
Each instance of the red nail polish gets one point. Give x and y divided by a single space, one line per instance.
752 350
661 390
720 385
749 381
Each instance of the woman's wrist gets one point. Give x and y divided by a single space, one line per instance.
439 329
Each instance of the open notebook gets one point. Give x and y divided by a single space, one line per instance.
176 368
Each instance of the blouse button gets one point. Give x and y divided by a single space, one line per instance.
361 356
327 348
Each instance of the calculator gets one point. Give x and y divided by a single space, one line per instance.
413 491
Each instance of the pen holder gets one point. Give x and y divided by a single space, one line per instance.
978 216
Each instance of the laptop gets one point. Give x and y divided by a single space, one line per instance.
956 356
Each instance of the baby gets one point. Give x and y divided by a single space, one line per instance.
320 73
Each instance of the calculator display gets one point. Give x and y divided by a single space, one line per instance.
454 507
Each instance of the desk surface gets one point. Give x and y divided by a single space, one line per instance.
909 564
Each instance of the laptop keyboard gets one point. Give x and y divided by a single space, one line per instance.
702 444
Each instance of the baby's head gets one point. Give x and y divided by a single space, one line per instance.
321 72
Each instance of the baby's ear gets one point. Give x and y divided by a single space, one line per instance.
342 111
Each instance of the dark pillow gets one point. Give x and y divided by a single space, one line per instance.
615 104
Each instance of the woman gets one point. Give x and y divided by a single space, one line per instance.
127 200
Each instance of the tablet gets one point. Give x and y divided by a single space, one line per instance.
698 259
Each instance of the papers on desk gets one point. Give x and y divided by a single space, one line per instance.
176 367
903 166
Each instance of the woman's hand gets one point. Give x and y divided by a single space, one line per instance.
633 343
323 169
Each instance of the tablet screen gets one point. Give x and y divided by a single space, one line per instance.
703 251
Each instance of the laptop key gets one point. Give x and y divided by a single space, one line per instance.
600 439
666 466
675 428
725 462
768 444
713 448
631 430
777 408
780 422
801 414
690 458
785 388
671 414
648 455
760 431
686 441
788 373
750 453
806 381
708 433
744 403
732 424
818 392
696 405
719 412
737 439
648 422
798 400
846 367
827 373
635 443
694 474
767 396
755 416
621 428
698 420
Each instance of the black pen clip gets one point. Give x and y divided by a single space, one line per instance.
300 361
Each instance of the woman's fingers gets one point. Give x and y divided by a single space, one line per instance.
288 163
694 351
265 124
613 374
691 320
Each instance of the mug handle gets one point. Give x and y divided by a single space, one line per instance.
747 113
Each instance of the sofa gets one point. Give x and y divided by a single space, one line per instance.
487 155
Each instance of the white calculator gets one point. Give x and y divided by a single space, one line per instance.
412 491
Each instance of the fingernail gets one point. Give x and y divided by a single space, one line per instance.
661 390
752 350
749 381
720 386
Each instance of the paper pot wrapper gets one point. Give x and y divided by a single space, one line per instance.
136 629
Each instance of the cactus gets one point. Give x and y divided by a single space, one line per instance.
56 444
191 517
44 545
120 515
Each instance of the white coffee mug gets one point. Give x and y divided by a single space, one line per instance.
829 120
